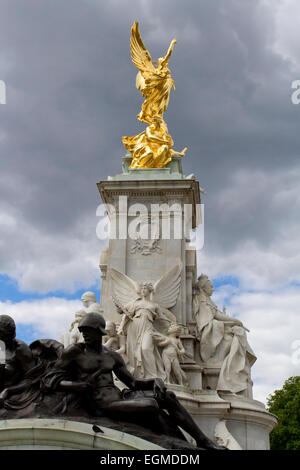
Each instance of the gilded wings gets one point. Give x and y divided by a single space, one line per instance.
152 148
139 54
154 83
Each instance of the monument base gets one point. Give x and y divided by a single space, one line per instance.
60 434
244 419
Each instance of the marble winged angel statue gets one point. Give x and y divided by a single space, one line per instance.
143 304
151 148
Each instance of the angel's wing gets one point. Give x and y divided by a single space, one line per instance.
166 289
139 54
124 289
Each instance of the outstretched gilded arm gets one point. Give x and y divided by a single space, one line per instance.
170 50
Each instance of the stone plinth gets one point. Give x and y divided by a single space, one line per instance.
246 419
172 171
165 198
60 434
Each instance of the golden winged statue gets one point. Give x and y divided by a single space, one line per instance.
151 148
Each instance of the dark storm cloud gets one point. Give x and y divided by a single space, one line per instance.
71 96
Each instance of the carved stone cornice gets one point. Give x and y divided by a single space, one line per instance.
185 191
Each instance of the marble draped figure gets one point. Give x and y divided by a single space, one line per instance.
89 302
223 340
144 305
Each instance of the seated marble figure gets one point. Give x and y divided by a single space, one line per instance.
85 371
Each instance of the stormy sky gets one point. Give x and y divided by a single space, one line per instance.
71 96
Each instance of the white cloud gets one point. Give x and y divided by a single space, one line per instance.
260 211
49 317
43 262
286 16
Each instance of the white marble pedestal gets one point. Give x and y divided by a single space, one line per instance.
246 419
171 193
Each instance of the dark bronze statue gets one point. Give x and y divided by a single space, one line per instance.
18 357
24 366
80 377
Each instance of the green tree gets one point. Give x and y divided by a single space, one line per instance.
285 404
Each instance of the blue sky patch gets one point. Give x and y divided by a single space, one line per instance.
9 290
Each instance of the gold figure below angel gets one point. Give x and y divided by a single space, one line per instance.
151 148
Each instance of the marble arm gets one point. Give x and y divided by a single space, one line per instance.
121 350
181 350
220 316
123 323
162 342
109 342
122 345
123 374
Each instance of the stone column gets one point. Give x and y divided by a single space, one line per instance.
162 193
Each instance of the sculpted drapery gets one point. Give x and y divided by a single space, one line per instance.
236 367
223 340
142 352
152 148
211 329
142 305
